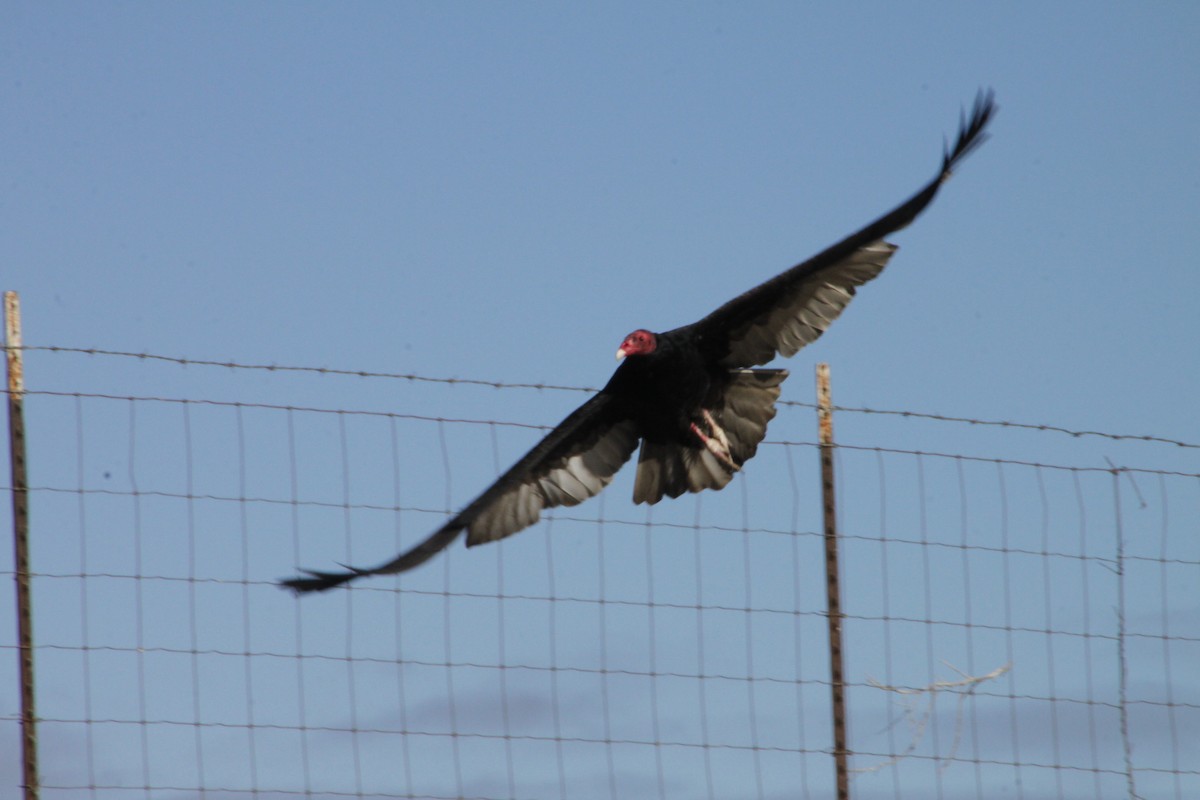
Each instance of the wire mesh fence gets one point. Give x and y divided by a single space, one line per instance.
1021 602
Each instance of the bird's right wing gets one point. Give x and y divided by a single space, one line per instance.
572 463
792 309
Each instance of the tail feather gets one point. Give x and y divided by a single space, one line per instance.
668 469
749 404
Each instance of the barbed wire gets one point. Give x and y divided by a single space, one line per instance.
1032 426
355 373
413 377
1114 469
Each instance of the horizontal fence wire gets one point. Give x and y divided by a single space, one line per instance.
1041 427
544 427
1020 601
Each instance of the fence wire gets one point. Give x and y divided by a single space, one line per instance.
1021 602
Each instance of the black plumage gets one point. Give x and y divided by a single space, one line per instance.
689 396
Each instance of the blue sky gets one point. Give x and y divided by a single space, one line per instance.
348 165
500 192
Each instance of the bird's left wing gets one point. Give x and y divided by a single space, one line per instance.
572 463
795 307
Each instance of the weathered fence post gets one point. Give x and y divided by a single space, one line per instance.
837 684
20 504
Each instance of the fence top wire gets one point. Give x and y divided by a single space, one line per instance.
354 373
415 378
1032 426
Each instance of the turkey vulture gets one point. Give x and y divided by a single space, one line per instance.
689 396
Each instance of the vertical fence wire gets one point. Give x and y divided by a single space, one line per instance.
1165 606
502 653
603 655
886 610
751 694
298 632
402 703
247 605
552 642
968 618
797 623
1048 621
1122 654
1089 678
652 665
135 497
84 606
927 584
701 655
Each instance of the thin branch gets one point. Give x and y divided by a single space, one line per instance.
918 717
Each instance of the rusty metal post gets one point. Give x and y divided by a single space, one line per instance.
837 684
20 503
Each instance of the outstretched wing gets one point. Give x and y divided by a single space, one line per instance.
574 462
795 307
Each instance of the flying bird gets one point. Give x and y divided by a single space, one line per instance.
690 396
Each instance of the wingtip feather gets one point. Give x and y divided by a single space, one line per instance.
971 131
317 581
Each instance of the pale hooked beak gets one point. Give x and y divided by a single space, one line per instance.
621 353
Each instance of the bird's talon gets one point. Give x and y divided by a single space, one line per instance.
717 443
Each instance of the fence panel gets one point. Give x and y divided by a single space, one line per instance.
1021 613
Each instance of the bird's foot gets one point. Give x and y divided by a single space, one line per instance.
715 441
717 431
